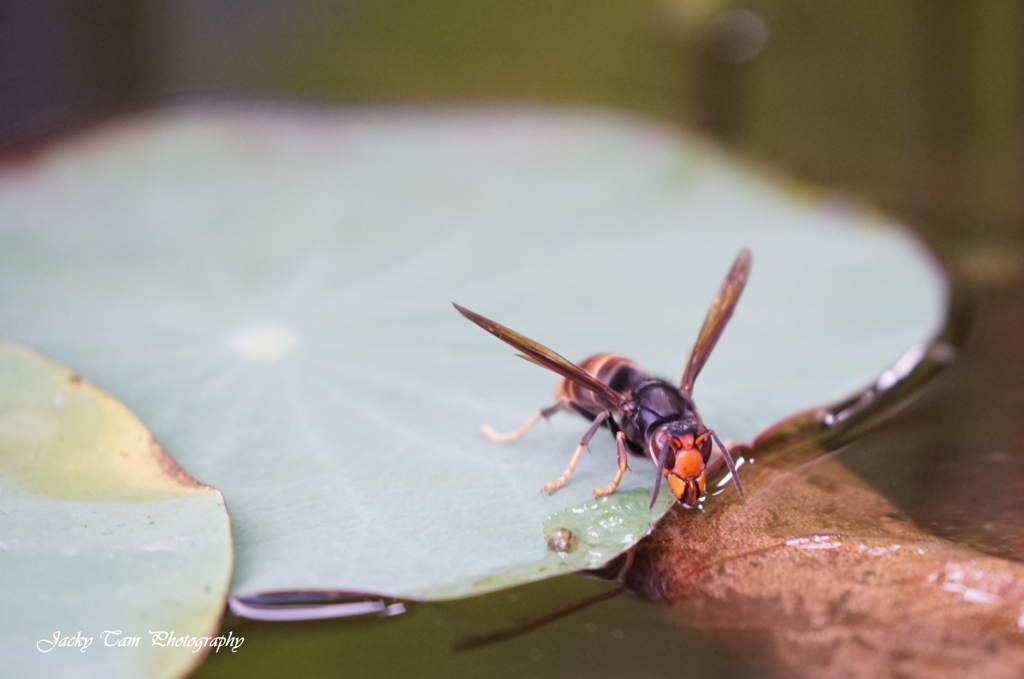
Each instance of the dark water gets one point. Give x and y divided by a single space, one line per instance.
619 637
952 458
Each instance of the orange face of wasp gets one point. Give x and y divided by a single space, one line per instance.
686 471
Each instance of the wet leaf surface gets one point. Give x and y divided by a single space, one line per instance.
100 531
816 575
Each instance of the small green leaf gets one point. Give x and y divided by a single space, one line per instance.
100 531
269 290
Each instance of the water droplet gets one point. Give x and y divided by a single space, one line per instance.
562 540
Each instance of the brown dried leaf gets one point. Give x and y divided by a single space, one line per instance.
816 575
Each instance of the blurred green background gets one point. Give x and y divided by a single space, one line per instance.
916 105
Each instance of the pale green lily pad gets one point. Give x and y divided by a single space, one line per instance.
100 531
269 289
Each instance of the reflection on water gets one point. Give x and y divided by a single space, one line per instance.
619 637
951 459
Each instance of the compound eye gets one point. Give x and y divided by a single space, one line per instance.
705 448
670 461
659 439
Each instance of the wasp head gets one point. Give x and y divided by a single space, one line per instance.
685 453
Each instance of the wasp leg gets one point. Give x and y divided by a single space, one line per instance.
589 434
620 439
488 431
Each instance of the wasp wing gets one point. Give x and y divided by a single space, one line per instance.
718 315
542 356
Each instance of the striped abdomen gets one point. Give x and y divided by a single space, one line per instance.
618 372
